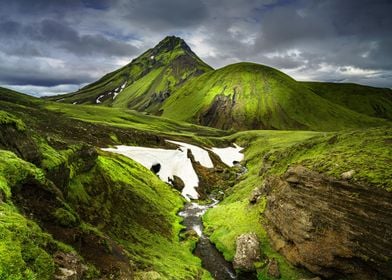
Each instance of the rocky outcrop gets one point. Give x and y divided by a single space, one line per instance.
332 227
219 114
247 252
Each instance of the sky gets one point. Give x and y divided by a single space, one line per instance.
50 47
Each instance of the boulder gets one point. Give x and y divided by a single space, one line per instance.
247 252
347 175
255 196
177 183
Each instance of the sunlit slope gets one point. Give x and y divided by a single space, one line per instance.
371 101
252 96
145 82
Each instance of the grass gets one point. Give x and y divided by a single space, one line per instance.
265 98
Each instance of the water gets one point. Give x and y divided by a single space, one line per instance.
212 259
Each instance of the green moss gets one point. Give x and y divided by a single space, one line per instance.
9 119
22 243
65 217
14 170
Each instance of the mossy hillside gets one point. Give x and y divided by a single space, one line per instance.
9 119
122 199
94 187
26 251
368 152
131 204
130 119
371 101
158 70
258 97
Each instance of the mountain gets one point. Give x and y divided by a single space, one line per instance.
146 82
252 96
371 101
170 80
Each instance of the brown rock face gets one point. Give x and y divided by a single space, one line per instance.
247 252
332 227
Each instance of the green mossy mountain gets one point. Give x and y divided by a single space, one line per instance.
146 82
251 96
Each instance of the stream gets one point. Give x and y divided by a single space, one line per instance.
212 259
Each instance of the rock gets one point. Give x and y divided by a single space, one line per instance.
247 252
156 168
177 183
331 227
273 269
69 266
347 175
314 278
255 196
148 275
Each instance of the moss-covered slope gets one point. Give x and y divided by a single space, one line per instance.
251 96
146 82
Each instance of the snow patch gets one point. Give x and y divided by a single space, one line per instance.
173 162
229 155
199 154
99 99
118 90
74 103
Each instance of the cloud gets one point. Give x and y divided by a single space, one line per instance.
49 43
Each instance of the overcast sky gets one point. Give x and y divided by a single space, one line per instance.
56 46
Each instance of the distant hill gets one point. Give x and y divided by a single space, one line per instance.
371 101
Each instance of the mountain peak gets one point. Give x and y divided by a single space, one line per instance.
169 43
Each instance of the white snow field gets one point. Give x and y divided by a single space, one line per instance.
176 162
229 155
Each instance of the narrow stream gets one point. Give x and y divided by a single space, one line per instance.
212 259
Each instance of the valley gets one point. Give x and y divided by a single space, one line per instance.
169 169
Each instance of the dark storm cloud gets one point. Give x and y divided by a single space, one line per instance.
161 15
50 42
